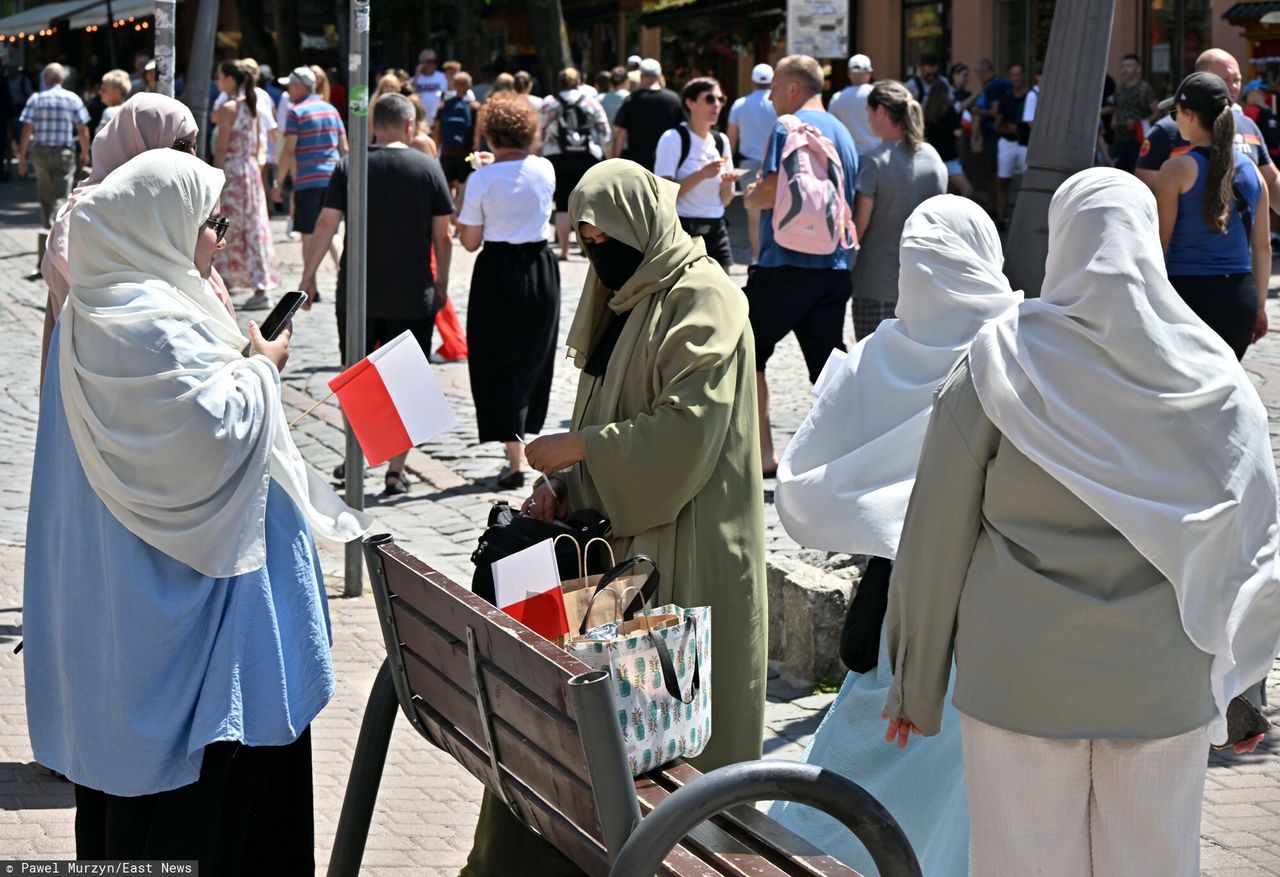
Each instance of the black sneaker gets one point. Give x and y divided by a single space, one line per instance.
396 484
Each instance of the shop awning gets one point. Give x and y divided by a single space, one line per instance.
97 13
38 17
655 13
1249 11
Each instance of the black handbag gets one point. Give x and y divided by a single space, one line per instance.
509 532
860 637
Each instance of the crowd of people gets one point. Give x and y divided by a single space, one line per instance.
1049 492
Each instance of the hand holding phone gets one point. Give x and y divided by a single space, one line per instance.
281 314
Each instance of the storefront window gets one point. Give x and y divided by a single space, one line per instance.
1177 32
1022 28
925 31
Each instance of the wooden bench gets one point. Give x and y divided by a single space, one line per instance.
537 728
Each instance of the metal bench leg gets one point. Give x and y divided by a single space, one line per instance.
366 775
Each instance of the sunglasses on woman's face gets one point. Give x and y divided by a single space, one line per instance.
714 99
183 145
219 224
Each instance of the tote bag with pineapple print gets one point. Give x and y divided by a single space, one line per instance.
661 683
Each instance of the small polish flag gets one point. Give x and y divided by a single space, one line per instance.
392 400
527 587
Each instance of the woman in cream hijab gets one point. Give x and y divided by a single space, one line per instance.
843 485
1093 531
147 121
175 621
665 444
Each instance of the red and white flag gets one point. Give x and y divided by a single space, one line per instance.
526 586
392 400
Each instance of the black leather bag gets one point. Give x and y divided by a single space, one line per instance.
508 533
860 637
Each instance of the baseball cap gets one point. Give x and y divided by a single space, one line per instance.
633 61
762 74
860 63
303 76
151 65
1201 92
650 67
1255 85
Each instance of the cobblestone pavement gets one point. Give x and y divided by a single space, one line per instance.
427 805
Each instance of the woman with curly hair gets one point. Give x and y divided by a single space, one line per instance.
513 317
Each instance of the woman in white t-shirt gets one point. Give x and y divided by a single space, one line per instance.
513 315
699 159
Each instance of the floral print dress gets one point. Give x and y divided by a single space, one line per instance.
248 260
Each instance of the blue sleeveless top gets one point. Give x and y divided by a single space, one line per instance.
1197 249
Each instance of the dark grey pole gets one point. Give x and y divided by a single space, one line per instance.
200 68
611 782
357 230
1065 131
165 13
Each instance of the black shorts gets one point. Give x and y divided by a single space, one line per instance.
569 168
807 301
715 237
307 204
1228 304
456 168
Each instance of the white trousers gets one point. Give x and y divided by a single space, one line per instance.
1083 808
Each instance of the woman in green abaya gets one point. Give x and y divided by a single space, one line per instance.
665 444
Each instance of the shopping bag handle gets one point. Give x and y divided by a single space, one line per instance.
669 679
647 590
578 552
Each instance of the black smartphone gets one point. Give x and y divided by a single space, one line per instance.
280 314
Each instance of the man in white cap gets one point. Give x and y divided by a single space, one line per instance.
633 71
850 105
751 121
649 112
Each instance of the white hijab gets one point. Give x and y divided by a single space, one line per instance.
846 476
1112 385
178 433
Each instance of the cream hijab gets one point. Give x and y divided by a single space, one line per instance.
845 478
145 121
179 434
1112 385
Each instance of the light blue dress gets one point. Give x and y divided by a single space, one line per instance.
922 786
135 662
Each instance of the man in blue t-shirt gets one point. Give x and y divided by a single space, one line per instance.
790 291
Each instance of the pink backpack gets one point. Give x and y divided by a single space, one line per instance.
810 212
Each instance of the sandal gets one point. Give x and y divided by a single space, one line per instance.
395 484
510 479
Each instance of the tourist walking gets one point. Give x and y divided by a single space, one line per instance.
843 485
146 121
176 657
574 129
1213 217
701 161
618 91
454 134
1135 110
751 121
249 259
408 220
657 407
790 290
646 115
893 180
314 141
513 314
113 91
54 122
1011 148
1065 527
849 105
429 83
523 84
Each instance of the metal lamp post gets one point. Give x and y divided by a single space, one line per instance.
1064 133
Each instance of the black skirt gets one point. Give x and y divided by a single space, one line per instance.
513 319
250 812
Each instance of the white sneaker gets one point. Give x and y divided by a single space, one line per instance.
288 230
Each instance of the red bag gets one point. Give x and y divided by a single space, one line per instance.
453 340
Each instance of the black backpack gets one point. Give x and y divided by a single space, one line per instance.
508 533
575 123
686 143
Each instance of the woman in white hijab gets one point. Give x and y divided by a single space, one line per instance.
1093 530
843 485
175 620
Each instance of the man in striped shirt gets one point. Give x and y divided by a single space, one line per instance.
52 122
314 140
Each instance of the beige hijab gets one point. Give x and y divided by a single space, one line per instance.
630 205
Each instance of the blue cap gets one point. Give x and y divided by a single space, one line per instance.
1255 85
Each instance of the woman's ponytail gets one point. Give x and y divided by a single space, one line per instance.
903 109
913 125
1219 196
